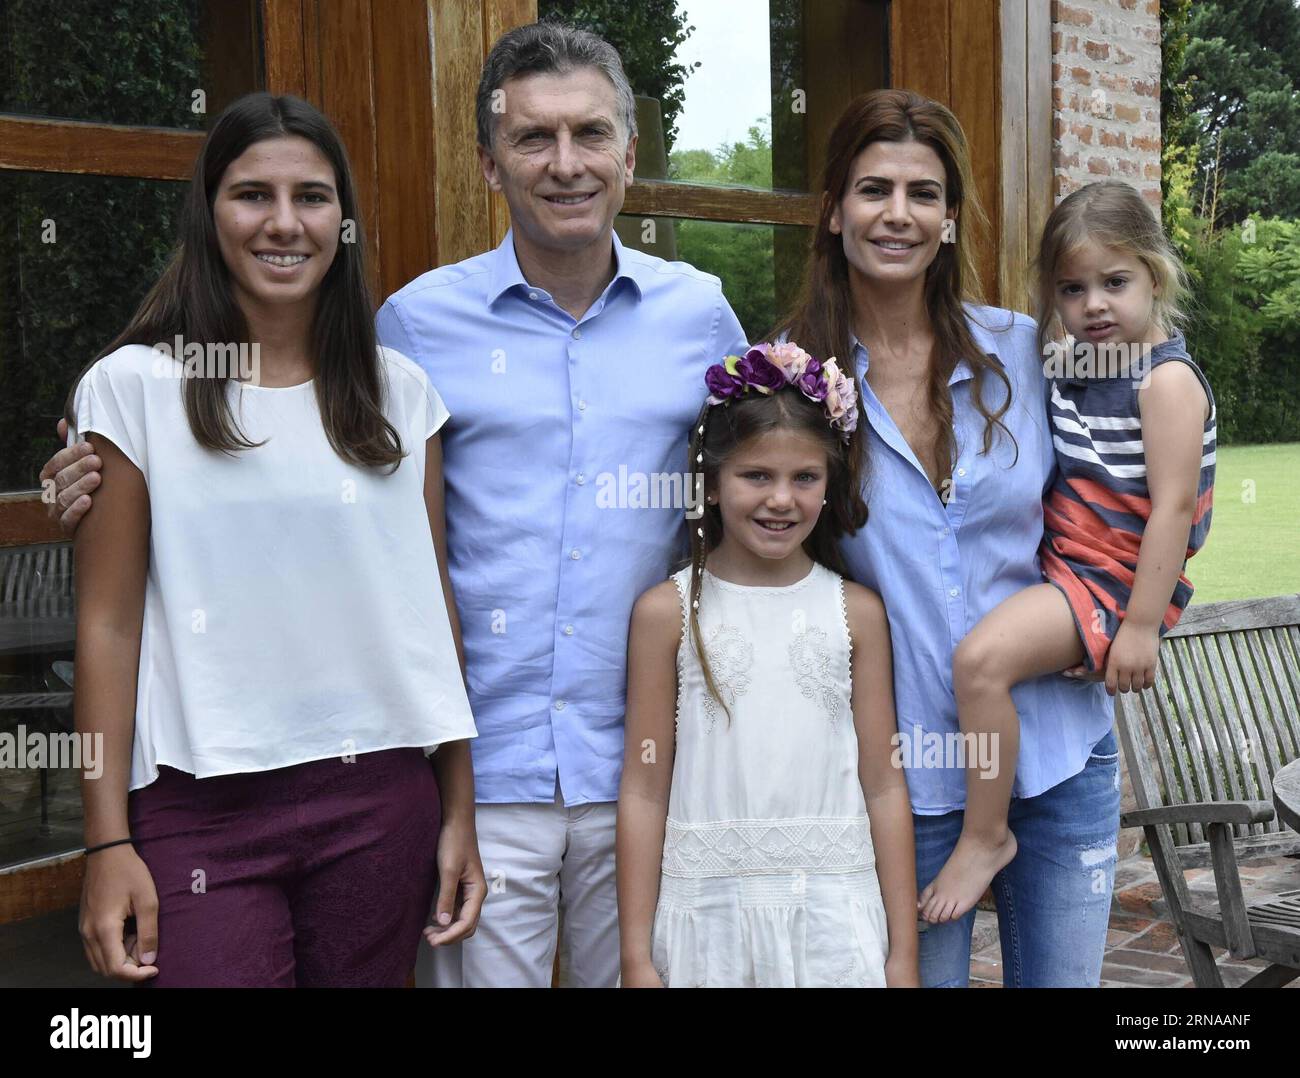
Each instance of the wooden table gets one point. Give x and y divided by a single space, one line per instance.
1286 794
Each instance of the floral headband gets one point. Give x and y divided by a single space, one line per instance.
767 367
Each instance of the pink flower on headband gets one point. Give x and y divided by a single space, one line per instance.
765 368
790 356
841 397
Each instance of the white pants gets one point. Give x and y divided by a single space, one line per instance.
542 862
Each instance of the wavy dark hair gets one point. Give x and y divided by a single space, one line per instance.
821 319
194 298
719 431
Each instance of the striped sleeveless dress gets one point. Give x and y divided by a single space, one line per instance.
1098 507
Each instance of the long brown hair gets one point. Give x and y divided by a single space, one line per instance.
1114 215
193 297
821 319
722 429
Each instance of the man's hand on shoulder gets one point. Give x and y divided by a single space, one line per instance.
67 481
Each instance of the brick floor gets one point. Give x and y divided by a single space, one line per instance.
1142 950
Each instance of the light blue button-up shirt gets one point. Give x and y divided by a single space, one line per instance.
562 431
939 569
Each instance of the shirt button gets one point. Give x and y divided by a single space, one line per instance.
582 406
577 334
946 532
575 553
559 705
961 471
568 630
954 592
580 479
532 295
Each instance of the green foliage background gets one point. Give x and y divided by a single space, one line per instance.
61 302
1231 164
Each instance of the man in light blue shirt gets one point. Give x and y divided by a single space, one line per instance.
572 367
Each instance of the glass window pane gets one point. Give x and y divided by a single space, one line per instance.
161 63
740 93
40 800
760 266
77 254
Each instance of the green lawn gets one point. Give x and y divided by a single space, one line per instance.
1254 543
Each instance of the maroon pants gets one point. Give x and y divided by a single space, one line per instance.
320 874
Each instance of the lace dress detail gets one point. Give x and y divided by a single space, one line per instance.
730 657
811 665
768 875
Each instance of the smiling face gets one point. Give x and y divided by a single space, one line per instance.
562 158
277 218
1106 295
891 216
770 492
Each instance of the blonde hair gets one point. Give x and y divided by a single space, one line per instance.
1112 214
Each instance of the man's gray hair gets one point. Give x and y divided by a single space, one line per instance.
542 48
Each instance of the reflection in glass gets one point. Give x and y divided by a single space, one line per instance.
760 266
739 93
40 801
162 63
77 254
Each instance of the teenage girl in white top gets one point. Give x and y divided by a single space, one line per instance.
266 636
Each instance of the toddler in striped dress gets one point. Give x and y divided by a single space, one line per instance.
1133 425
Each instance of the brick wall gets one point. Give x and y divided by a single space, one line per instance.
1106 94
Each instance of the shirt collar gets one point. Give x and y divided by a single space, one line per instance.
982 336
505 273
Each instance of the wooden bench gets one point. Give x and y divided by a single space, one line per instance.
1202 748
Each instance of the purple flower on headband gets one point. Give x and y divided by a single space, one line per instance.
812 382
722 384
760 372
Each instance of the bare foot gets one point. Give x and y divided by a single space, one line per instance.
964 877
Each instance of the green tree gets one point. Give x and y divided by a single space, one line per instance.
743 256
1240 69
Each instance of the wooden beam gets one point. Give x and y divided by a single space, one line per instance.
44 886
462 221
1013 196
24 520
652 198
404 139
282 32
30 144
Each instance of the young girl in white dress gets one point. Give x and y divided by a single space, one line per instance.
764 835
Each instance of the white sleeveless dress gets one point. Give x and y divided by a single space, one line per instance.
768 875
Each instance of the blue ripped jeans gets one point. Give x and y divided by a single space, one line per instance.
1053 899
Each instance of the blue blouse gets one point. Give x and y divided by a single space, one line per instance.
940 568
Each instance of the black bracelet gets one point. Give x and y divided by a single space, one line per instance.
105 845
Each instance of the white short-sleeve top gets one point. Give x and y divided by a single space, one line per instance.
293 609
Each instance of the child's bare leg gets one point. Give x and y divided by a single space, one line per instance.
1030 634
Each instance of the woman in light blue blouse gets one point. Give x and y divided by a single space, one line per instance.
958 455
